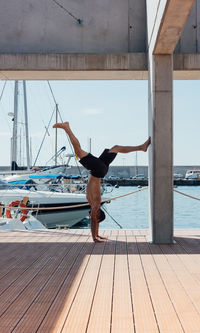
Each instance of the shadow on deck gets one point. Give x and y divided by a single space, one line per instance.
60 281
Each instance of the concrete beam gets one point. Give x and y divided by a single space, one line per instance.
166 19
76 61
74 75
186 66
124 66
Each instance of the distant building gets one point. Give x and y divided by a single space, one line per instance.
127 171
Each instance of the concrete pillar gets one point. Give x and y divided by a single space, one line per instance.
161 150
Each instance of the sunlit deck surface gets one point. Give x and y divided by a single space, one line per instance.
60 281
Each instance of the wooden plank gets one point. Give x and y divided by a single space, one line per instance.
128 232
190 285
145 318
122 312
18 269
192 247
10 253
146 232
17 253
184 308
136 232
64 299
187 232
14 302
83 300
190 243
145 282
188 260
115 232
100 317
167 318
41 304
107 233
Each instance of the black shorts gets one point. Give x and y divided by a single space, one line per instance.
98 166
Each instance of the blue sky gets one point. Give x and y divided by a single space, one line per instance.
108 112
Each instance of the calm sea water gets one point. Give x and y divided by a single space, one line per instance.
132 211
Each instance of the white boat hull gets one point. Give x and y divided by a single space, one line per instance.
43 199
11 224
16 224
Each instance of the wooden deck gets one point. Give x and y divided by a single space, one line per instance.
60 281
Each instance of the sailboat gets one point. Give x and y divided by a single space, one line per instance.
42 199
14 140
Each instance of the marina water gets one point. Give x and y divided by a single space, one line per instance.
132 212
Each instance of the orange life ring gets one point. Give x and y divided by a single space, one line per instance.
17 203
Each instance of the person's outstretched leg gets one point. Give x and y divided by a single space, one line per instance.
129 149
75 143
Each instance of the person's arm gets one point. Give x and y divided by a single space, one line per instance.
94 224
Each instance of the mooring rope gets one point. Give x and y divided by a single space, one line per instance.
76 206
187 195
112 218
87 204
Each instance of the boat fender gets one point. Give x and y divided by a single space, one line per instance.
21 205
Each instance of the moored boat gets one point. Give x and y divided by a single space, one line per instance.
50 208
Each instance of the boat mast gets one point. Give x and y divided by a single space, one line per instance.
14 137
136 164
90 145
20 159
56 137
31 153
26 126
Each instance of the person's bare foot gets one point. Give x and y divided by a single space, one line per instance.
146 144
64 125
105 238
99 240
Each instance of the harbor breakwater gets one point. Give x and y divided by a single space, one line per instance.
144 182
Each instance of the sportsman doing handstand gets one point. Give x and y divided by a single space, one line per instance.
98 167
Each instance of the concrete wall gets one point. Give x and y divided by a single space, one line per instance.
109 26
28 26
